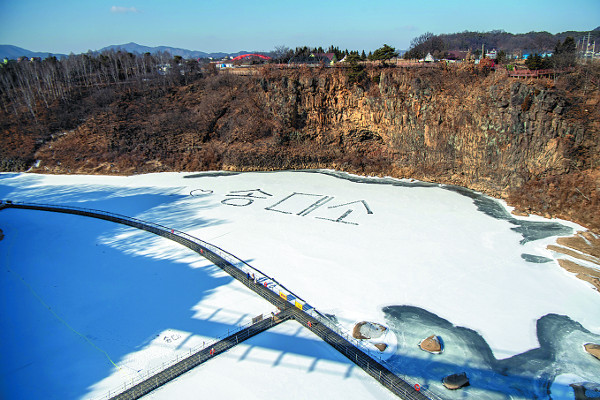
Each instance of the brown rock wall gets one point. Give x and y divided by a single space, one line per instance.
488 133
533 142
497 131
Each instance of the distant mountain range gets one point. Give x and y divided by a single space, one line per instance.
174 51
14 52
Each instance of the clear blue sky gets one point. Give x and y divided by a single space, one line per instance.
64 26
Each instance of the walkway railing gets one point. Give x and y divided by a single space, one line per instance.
206 347
366 362
182 365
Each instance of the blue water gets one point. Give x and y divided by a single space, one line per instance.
524 376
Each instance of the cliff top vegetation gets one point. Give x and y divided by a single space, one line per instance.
533 142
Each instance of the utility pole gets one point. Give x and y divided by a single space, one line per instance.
588 40
587 47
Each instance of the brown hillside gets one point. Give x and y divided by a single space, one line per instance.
535 143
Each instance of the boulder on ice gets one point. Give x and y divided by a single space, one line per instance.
368 330
381 346
456 381
586 390
593 349
432 344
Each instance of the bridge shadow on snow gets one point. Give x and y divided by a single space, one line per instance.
70 305
117 199
83 305
167 206
120 303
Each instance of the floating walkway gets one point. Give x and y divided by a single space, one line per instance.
291 306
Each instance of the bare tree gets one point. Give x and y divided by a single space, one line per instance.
281 54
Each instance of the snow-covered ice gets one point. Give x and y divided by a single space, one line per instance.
286 361
350 247
74 309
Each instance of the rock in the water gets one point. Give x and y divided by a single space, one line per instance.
1 235
593 349
586 390
381 346
456 381
519 212
431 344
356 331
368 330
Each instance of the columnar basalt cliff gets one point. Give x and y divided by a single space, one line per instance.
535 143
488 133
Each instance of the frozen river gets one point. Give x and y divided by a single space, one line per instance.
419 258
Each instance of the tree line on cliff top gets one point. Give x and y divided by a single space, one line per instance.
283 54
522 43
440 45
564 54
25 84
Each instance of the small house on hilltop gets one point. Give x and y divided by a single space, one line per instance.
324 58
428 58
491 54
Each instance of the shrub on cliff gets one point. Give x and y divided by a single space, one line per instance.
356 72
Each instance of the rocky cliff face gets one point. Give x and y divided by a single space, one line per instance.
532 142
489 133
535 143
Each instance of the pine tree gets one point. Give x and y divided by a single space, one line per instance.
565 54
356 73
384 53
